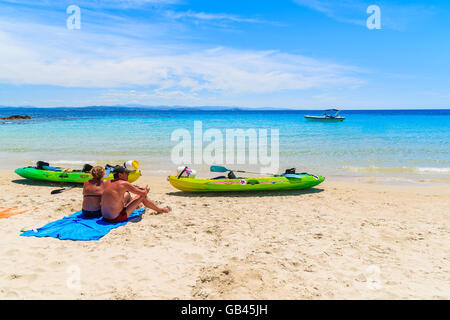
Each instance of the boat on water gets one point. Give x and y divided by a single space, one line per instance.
330 115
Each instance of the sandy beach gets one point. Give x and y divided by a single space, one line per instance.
340 240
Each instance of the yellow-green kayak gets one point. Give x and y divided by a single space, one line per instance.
283 182
60 175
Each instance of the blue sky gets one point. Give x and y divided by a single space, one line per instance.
301 54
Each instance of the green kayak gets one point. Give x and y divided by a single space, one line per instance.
283 182
61 175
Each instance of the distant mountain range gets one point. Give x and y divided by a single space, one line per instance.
138 106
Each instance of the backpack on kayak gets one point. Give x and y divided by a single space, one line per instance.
87 168
41 164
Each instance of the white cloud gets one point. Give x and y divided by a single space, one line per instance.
393 16
122 55
92 3
350 11
210 16
218 70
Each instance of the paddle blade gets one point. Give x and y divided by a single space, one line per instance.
218 169
107 172
57 191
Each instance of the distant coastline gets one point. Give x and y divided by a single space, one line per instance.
213 108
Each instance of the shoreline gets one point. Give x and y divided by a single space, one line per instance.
339 240
369 177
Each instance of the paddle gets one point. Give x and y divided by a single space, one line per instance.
56 191
223 169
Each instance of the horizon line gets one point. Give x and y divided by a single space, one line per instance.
216 108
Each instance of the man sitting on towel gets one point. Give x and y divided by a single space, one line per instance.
117 204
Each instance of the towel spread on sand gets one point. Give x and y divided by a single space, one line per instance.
77 227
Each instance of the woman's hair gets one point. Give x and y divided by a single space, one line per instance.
98 172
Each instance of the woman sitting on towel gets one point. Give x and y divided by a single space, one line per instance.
92 193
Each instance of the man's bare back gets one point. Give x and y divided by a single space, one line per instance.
116 203
113 200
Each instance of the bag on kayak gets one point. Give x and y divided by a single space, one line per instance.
41 164
186 172
87 168
290 171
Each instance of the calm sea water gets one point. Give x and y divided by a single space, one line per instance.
410 143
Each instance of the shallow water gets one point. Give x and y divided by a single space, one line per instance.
399 144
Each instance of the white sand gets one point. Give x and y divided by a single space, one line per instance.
341 240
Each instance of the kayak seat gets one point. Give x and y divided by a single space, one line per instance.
231 175
223 177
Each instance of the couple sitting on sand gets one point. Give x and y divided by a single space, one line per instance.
112 199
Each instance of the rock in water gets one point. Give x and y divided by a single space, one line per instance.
16 117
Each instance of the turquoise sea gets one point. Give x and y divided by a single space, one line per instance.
391 144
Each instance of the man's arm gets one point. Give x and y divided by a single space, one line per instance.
140 192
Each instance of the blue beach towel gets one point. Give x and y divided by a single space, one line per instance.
77 227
